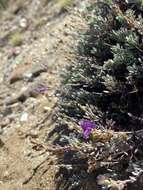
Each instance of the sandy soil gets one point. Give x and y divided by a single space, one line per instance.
49 37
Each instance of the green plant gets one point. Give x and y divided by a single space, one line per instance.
108 72
3 3
16 39
105 86
64 3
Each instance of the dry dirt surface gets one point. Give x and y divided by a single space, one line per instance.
37 41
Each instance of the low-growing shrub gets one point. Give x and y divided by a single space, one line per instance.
102 95
108 72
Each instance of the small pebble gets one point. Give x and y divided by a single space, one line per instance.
23 23
24 117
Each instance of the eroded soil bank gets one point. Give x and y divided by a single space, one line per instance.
37 41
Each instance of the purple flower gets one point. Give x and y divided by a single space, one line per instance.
87 127
41 89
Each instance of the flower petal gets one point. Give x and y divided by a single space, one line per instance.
86 133
85 124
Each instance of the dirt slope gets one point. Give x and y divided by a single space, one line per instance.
29 77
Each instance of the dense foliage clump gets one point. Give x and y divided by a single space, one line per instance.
105 86
108 74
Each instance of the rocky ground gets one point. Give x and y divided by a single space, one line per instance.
37 41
